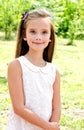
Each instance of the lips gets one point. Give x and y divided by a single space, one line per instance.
37 43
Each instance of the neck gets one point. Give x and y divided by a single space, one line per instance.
36 58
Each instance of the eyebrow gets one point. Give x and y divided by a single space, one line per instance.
44 29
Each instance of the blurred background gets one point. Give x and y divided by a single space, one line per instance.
68 56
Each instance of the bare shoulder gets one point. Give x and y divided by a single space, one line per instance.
14 66
57 78
13 63
57 74
56 70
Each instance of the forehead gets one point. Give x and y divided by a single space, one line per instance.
39 23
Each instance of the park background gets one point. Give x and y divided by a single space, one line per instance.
68 56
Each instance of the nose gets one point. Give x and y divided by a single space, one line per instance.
38 37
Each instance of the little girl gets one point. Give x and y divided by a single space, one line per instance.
34 83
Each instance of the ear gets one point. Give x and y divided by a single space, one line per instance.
49 40
25 39
24 36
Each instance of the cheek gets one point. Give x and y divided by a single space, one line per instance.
47 38
29 37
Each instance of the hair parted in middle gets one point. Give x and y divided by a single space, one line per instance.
22 47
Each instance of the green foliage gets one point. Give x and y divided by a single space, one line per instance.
10 14
7 18
68 15
67 24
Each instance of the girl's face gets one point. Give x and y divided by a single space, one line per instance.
38 33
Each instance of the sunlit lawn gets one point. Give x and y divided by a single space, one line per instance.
70 62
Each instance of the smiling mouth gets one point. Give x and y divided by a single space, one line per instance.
37 43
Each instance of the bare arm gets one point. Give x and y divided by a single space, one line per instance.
56 103
17 98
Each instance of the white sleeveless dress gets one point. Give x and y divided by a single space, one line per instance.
38 92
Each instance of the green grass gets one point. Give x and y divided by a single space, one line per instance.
70 62
7 49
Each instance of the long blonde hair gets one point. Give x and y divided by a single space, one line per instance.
22 47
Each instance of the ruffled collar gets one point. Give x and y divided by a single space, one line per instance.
34 68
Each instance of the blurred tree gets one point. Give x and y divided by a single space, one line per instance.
10 13
68 15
